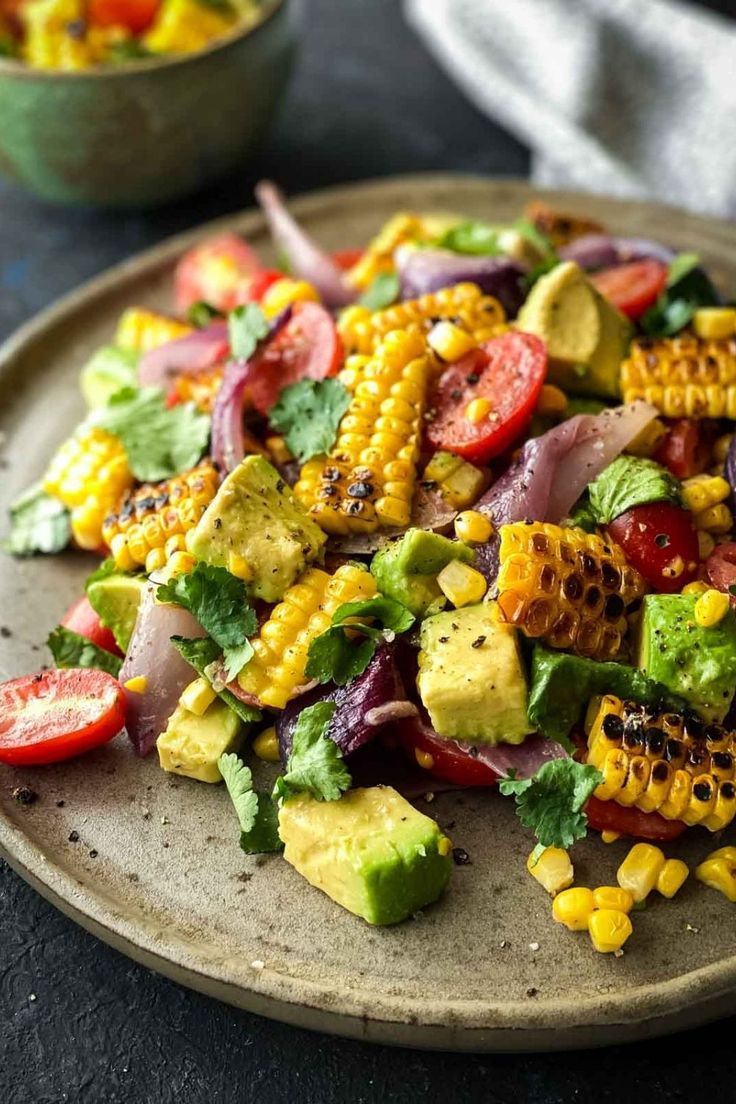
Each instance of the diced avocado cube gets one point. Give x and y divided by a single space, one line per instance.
255 519
371 852
407 569
697 663
109 369
115 599
192 744
471 678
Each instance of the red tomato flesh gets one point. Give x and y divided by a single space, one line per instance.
449 762
660 541
607 816
308 347
217 272
82 619
508 371
346 258
58 714
685 450
720 567
136 15
632 288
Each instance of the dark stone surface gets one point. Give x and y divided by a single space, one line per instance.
81 1023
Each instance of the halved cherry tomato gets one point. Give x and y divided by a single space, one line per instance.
608 816
633 287
346 258
660 541
720 567
136 15
58 714
308 347
449 762
217 272
508 371
82 619
261 281
686 448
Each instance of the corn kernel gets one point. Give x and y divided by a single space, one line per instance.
552 401
646 441
706 544
180 564
711 608
450 341
155 560
473 527
238 566
266 745
714 519
718 871
702 491
610 837
714 323
698 587
121 553
721 446
137 684
613 897
552 869
478 410
278 450
640 870
423 758
197 697
609 929
672 877
572 908
462 585
283 293
444 846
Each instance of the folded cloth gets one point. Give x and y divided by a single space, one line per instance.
624 97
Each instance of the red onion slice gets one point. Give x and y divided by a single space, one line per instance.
425 270
186 356
602 251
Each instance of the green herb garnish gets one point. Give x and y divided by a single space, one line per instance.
308 414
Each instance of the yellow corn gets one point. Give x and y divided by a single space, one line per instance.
88 474
715 323
200 388
478 410
718 871
283 293
278 450
613 897
423 758
137 685
368 479
711 608
667 763
566 586
706 544
610 837
640 870
461 584
141 330
472 527
716 520
55 34
702 491
185 26
180 563
465 305
266 745
573 907
672 877
552 869
697 587
378 255
458 481
552 402
647 439
449 341
197 697
683 376
609 929
275 673
151 516
721 446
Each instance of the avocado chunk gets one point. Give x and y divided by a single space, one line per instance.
370 851
471 678
407 569
255 518
586 336
115 599
109 369
192 744
698 664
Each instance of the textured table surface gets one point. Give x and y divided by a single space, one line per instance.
79 1021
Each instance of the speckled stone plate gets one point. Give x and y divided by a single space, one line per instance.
156 870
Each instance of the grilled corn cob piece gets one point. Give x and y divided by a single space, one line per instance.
141 330
669 763
200 388
378 256
150 524
275 672
465 305
88 474
368 479
683 376
566 586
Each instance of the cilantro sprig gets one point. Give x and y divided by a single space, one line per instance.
308 413
159 442
69 649
257 813
38 523
473 237
551 803
201 314
688 288
336 656
382 291
315 765
247 326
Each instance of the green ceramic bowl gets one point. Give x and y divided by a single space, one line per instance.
144 133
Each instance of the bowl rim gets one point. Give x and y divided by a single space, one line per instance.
13 67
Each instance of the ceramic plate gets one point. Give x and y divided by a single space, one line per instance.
157 871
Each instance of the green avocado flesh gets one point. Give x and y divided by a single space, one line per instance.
115 599
370 851
407 569
192 744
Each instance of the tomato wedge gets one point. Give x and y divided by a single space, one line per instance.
686 448
449 762
307 347
135 15
608 816
660 541
720 567
82 619
57 715
217 272
508 371
633 287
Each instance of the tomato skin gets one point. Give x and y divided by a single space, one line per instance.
82 619
261 281
308 347
136 15
75 710
218 272
638 532
720 567
346 258
685 451
450 762
608 816
509 371
633 288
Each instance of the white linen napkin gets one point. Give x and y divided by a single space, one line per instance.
624 97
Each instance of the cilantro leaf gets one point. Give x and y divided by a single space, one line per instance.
315 765
202 313
335 656
69 649
631 481
551 803
680 266
199 654
472 237
264 835
308 413
236 657
382 291
247 326
216 599
688 288
159 442
257 812
392 615
536 238
38 523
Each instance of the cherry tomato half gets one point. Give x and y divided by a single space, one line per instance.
346 258
449 762
686 448
58 714
720 567
660 541
261 281
608 816
82 619
508 371
136 15
634 287
308 347
217 272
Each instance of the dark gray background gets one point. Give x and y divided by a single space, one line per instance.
78 1022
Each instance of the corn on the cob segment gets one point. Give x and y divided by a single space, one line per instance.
141 330
566 586
378 256
465 305
150 524
276 670
669 763
88 474
200 388
683 376
368 479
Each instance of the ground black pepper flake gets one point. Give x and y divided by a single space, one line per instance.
61 803
460 856
24 795
478 642
74 836
531 991
5 632
93 853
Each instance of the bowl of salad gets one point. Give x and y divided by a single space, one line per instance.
134 102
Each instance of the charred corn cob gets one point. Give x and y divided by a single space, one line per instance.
141 330
560 228
368 479
465 305
378 256
200 388
88 474
458 481
150 524
276 670
706 496
569 587
669 763
683 376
